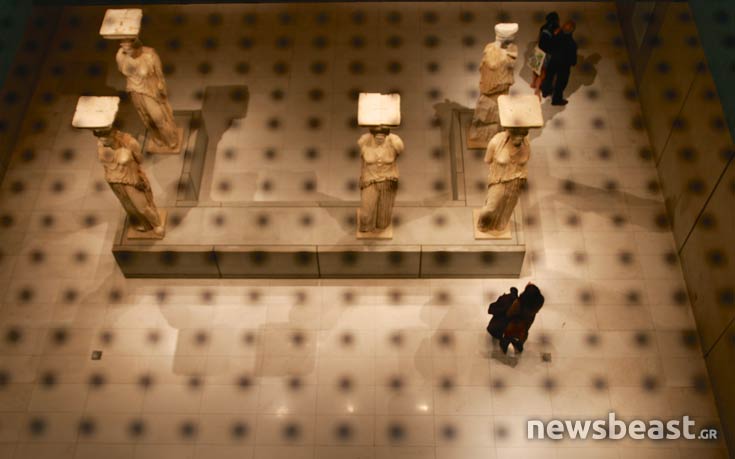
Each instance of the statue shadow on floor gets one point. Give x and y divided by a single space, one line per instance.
585 198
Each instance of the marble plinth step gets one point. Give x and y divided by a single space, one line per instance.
313 242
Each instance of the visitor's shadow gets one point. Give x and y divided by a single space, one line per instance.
582 75
589 199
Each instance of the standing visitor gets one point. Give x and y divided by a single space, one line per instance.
520 317
563 57
545 38
498 309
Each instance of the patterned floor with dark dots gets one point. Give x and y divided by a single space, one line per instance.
223 369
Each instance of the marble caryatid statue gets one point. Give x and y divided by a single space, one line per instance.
379 150
121 157
146 84
147 88
507 155
496 78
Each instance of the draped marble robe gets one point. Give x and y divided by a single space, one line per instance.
507 155
120 156
378 179
147 88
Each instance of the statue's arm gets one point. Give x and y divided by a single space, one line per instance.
362 141
512 51
119 60
397 143
160 80
526 150
490 151
134 147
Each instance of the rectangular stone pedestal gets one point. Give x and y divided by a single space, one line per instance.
369 261
318 239
167 261
238 261
427 242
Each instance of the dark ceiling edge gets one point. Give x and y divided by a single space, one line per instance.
715 36
11 35
180 2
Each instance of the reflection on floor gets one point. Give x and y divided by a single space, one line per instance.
322 369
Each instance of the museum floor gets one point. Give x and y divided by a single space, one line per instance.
339 368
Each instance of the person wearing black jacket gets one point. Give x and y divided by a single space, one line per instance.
520 316
548 31
563 57
546 35
498 309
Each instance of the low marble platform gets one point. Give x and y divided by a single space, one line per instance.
312 242
317 238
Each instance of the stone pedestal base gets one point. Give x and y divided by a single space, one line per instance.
132 233
504 234
327 248
377 234
153 148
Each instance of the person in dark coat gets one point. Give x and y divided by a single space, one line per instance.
548 31
520 317
498 310
546 35
563 57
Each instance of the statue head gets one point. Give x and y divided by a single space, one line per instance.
131 46
380 133
516 135
106 136
106 139
505 33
